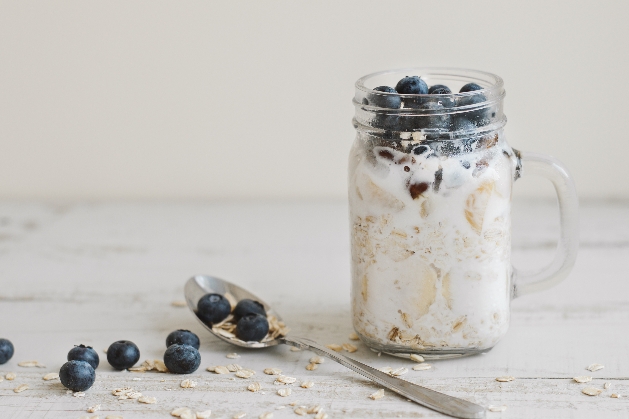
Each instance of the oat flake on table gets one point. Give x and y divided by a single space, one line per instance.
93 409
595 367
113 417
188 384
607 386
307 384
239 415
312 366
272 371
50 376
334 347
284 392
321 415
505 379
253 387
592 391
266 415
616 396
204 415
220 370
349 347
315 409
30 364
317 360
294 349
301 411
233 367
497 408
399 371
582 379
422 367
10 376
20 388
282 379
353 336
180 411
232 355
245 373
78 394
147 400
377 395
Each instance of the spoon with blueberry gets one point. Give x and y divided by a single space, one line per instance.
237 316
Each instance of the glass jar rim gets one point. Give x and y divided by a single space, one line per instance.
492 84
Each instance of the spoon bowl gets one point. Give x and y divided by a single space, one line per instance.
199 285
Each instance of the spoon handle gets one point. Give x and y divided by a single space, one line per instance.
440 402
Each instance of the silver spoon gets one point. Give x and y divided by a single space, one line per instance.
199 285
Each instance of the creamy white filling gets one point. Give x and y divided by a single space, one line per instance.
431 246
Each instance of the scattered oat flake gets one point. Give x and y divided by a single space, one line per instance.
78 394
272 371
349 347
10 376
607 386
399 371
266 415
386 369
239 415
188 384
295 349
233 367
307 384
616 396
311 366
160 366
204 415
147 400
317 360
1 378
280 407
232 355
284 392
295 403
417 358
595 367
591 391
254 387
282 379
220 370
179 303
321 415
180 411
30 364
20 388
582 379
422 367
497 408
301 411
189 415
353 336
505 378
334 347
93 409
50 376
244 373
377 395
121 391
113 417
315 409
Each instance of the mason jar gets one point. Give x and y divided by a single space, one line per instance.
430 186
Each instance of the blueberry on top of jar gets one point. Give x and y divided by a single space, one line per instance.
412 85
470 87
248 306
390 101
439 89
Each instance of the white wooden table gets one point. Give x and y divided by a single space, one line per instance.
97 273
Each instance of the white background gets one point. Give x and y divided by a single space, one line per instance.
211 100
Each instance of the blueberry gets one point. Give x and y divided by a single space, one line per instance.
465 164
77 375
431 120
420 150
182 359
84 353
412 85
213 308
183 337
439 89
6 350
123 354
479 116
390 101
252 327
470 87
247 306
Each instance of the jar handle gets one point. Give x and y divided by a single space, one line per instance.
568 244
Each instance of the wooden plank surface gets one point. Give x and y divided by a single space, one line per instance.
96 273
